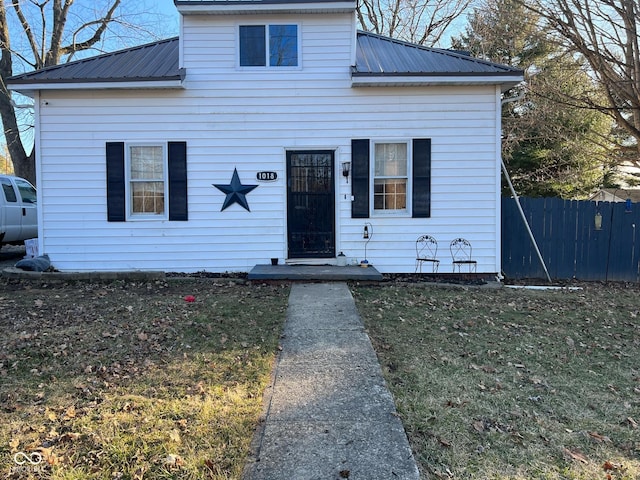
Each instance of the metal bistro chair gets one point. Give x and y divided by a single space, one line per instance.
426 251
461 255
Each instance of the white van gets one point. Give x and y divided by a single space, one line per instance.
18 210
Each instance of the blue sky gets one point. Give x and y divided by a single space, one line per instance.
168 9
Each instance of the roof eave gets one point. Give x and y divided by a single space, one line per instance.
26 86
232 8
166 82
506 81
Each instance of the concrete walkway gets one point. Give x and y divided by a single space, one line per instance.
330 415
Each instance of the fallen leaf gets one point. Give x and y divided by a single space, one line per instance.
189 298
575 455
49 457
599 438
14 444
139 473
142 336
478 425
344 473
69 437
174 436
70 412
444 442
632 422
182 423
173 461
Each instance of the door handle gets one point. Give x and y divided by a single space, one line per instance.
24 212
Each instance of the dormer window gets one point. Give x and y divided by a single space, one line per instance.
268 45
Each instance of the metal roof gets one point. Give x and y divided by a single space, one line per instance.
383 56
156 61
252 2
377 57
241 7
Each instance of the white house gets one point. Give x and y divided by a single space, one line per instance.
268 129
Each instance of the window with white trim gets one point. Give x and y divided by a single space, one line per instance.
268 45
147 181
390 177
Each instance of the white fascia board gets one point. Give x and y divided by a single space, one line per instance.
506 82
250 7
30 87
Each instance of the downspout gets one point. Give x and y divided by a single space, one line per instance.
517 198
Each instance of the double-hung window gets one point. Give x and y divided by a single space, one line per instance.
147 180
390 177
393 176
268 45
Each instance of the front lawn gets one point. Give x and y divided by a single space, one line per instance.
512 384
133 380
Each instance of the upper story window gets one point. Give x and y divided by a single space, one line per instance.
268 45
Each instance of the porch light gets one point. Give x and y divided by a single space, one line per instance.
346 168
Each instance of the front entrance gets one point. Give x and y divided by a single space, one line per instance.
311 204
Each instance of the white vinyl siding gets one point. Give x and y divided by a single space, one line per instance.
247 119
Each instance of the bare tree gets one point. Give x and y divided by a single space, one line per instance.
605 34
418 21
551 147
36 34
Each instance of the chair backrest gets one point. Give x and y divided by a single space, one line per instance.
426 247
460 250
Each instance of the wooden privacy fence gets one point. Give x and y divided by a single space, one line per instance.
568 238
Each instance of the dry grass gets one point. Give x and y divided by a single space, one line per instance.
513 384
129 380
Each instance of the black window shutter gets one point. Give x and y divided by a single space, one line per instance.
178 208
421 178
116 210
360 178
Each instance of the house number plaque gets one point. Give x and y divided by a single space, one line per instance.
267 176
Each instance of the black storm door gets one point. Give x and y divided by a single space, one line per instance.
311 204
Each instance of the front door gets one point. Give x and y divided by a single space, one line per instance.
311 204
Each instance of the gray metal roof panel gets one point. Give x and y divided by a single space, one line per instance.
253 2
153 61
376 56
382 56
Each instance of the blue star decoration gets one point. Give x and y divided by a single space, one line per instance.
236 192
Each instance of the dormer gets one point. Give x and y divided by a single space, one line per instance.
236 38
